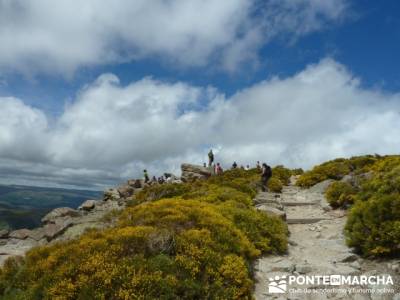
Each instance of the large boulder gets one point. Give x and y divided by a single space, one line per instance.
136 183
87 205
51 231
4 233
321 187
60 212
126 190
20 234
111 194
192 172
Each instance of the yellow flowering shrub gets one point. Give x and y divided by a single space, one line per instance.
189 241
373 225
275 185
337 169
340 194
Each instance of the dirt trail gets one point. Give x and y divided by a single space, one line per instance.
316 247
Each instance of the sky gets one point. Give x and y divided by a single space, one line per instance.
92 93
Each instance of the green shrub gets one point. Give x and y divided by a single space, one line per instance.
340 194
373 225
282 173
337 169
298 171
156 192
213 193
275 185
191 241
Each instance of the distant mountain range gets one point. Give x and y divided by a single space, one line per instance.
24 206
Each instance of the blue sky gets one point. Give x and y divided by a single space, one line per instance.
367 41
60 71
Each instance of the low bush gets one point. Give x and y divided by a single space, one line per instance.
191 241
156 192
298 171
340 194
337 169
275 185
282 173
373 225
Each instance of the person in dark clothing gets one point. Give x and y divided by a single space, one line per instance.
210 158
265 176
258 166
146 176
234 166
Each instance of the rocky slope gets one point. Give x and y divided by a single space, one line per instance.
65 223
316 246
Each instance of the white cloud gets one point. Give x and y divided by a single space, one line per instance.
43 37
111 132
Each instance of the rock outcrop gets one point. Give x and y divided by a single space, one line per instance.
192 172
57 213
87 205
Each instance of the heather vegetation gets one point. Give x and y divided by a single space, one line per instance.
373 226
372 191
340 194
175 241
337 169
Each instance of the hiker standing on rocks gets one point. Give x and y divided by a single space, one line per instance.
234 166
258 165
247 167
210 158
265 176
146 176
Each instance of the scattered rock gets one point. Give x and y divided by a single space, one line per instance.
356 265
60 212
88 205
321 187
347 257
37 234
111 194
126 190
136 183
192 172
4 233
20 234
272 210
51 231
395 267
303 268
396 297
283 266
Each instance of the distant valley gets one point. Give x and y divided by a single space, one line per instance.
24 206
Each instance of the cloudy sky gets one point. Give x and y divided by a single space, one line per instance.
93 92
